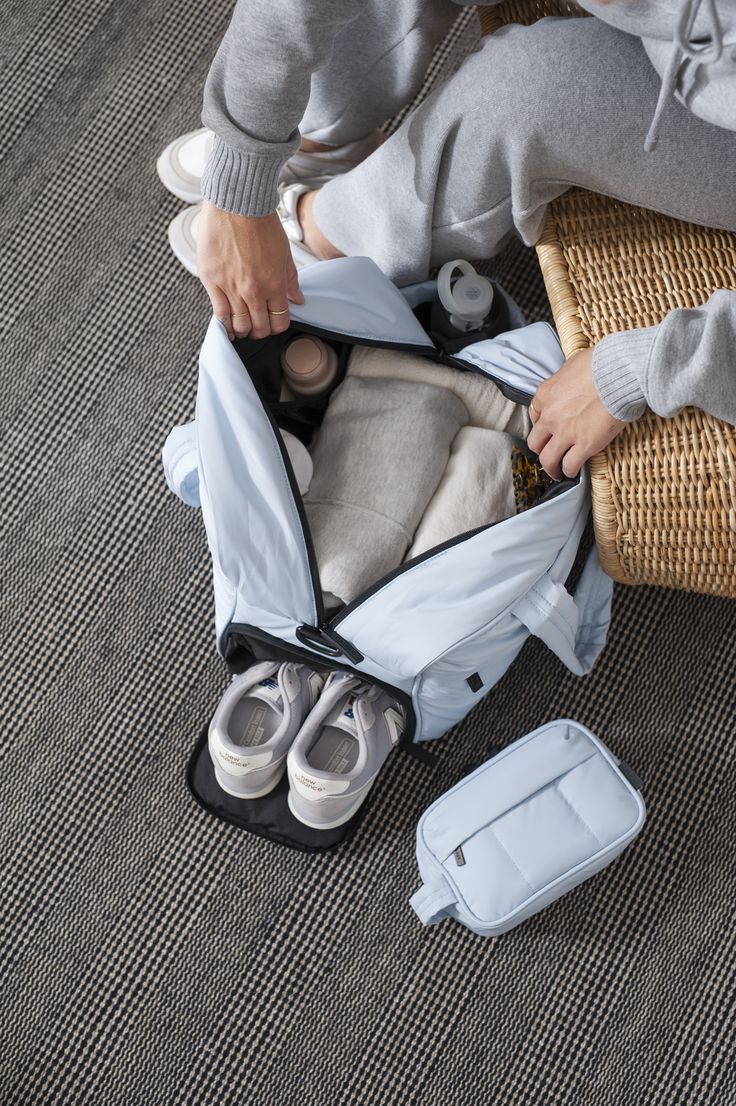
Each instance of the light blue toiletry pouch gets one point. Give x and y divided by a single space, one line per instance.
546 813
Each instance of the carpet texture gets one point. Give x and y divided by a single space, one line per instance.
153 955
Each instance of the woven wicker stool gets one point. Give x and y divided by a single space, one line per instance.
664 491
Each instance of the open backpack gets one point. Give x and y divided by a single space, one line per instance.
438 632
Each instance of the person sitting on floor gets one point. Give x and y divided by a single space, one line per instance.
638 104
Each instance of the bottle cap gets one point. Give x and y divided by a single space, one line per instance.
309 364
469 297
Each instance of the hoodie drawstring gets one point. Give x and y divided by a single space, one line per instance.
682 50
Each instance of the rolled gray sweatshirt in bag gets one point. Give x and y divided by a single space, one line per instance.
378 458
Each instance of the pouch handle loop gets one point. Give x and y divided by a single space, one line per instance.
430 902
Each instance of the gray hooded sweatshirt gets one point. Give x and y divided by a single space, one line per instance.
690 358
258 88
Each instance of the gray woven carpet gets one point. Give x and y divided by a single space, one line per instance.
153 955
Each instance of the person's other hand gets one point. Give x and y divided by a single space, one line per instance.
247 268
570 420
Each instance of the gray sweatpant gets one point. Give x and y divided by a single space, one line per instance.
534 111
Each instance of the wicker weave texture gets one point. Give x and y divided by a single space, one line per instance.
664 491
523 11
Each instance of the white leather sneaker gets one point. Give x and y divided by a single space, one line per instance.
182 163
183 237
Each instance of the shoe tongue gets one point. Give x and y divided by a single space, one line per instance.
344 717
268 691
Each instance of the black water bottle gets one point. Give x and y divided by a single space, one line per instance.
467 308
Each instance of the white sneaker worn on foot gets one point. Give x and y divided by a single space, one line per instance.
183 237
181 165
183 228
340 750
256 721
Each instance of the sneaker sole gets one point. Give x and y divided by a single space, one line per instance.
328 825
257 794
182 241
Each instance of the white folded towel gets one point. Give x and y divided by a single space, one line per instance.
477 488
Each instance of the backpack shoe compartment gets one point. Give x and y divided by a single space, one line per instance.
530 824
268 816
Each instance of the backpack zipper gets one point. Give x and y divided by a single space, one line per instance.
325 640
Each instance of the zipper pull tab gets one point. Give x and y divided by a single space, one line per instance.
325 640
353 655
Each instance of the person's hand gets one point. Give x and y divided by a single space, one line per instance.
570 421
247 268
